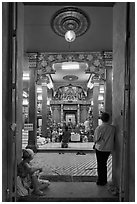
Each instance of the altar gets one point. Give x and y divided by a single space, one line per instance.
75 137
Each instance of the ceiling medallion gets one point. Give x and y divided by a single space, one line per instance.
70 77
70 18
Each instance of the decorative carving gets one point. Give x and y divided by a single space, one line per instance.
42 78
32 60
97 62
70 18
70 107
96 65
84 107
70 93
57 107
81 102
108 59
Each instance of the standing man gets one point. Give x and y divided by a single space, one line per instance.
104 142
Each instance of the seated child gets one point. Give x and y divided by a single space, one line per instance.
29 174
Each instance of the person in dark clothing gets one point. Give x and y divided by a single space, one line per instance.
65 138
70 124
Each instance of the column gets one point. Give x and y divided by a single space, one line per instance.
62 113
44 109
78 114
53 112
83 113
95 104
32 139
108 91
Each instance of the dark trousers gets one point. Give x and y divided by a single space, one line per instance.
102 158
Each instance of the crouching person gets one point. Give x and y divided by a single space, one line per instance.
28 176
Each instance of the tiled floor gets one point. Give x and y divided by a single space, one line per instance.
69 164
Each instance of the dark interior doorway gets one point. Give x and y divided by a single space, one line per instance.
70 114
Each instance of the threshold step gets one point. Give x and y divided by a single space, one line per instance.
73 192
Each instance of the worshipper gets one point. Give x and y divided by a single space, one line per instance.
70 124
65 137
86 124
104 142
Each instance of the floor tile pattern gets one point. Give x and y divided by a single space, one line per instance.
69 164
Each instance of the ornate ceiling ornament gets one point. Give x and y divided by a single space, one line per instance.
70 18
42 78
70 78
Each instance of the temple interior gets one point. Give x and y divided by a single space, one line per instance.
65 63
64 95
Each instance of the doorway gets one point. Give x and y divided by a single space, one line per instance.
9 144
70 115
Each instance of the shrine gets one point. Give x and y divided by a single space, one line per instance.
56 96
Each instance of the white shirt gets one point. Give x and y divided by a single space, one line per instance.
104 137
86 124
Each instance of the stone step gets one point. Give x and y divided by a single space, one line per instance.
73 192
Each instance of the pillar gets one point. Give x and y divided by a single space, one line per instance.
95 104
62 114
32 139
44 109
108 91
83 113
78 114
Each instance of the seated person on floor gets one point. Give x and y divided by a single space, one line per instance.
29 175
